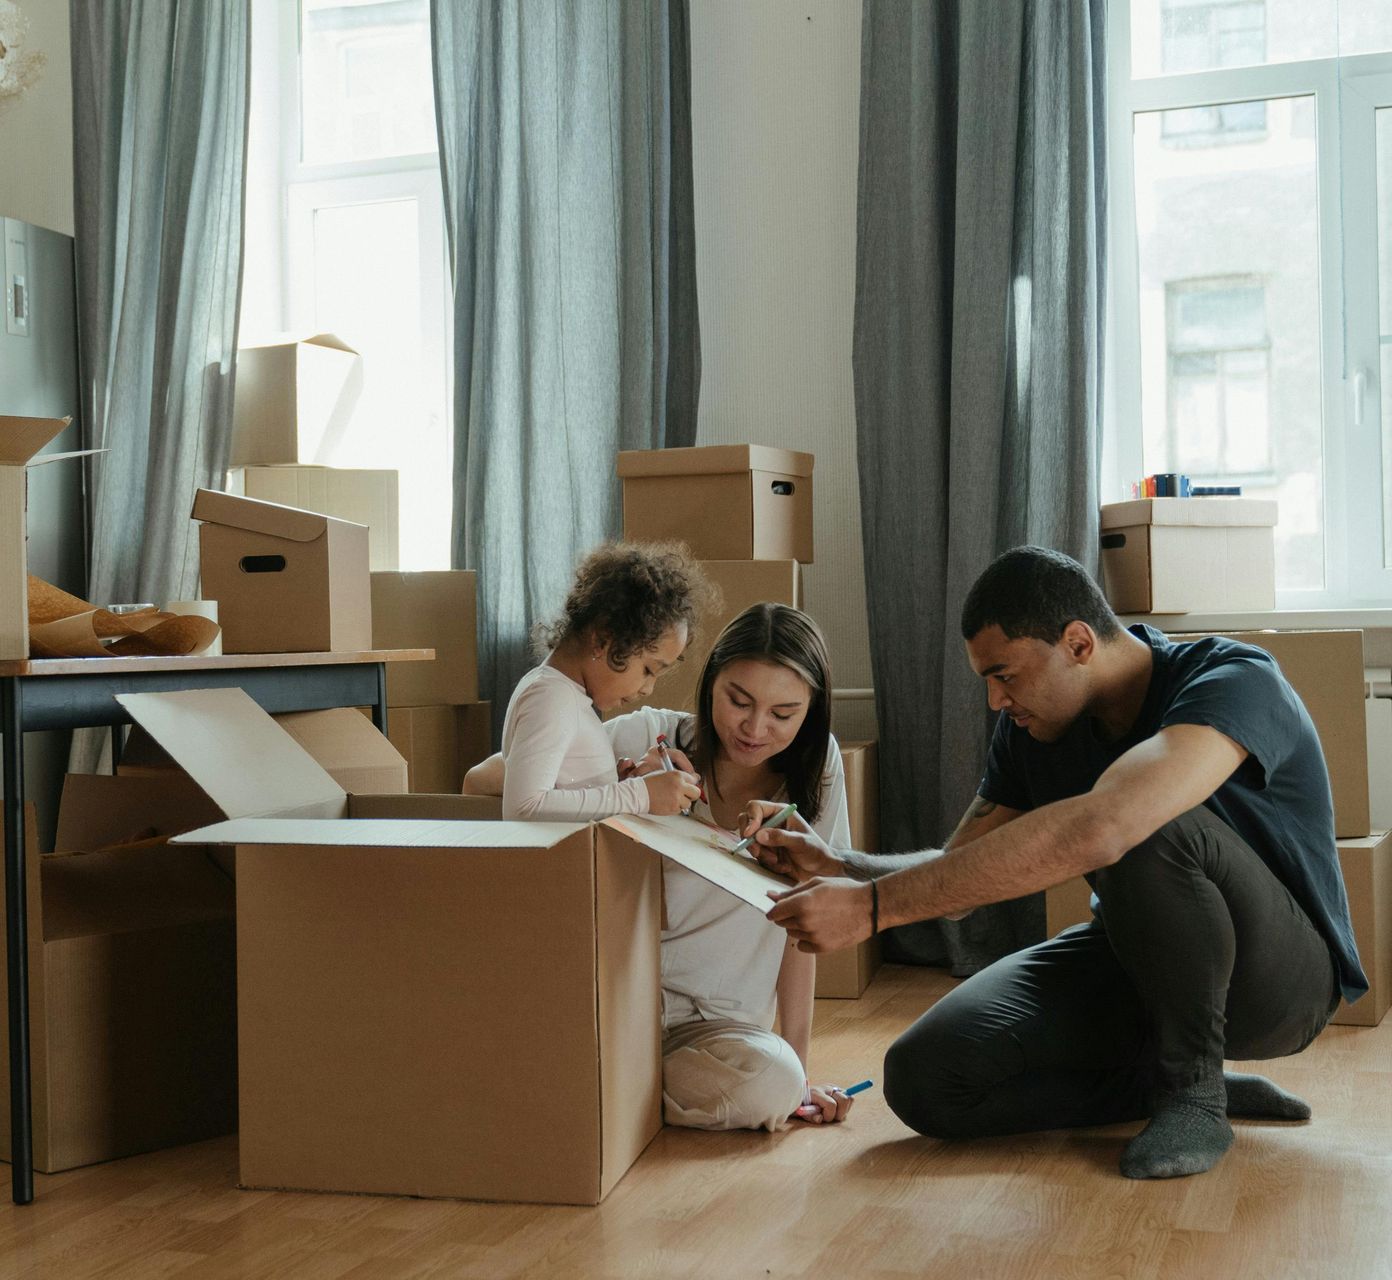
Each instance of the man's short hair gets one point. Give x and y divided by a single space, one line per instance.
1036 592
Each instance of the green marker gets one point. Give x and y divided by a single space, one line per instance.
777 820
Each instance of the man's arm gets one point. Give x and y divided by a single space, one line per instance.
1155 781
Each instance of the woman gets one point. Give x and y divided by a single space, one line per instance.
762 731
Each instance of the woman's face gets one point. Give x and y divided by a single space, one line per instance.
757 708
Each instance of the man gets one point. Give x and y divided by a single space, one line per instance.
1186 782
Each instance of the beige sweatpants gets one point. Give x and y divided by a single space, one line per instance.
729 1075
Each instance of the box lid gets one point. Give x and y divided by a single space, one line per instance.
1189 511
245 762
22 438
714 460
257 516
294 340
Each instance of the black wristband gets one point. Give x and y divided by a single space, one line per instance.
874 908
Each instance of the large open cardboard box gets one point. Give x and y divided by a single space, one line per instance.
844 975
132 997
726 502
1186 555
425 1006
20 442
430 610
286 581
294 399
361 497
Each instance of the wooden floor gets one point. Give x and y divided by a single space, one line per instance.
865 1200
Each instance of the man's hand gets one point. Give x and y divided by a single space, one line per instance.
793 850
823 915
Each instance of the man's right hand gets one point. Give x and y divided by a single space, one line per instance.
672 791
793 850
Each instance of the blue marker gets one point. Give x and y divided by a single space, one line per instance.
859 1088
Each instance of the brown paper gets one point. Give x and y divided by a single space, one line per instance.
64 626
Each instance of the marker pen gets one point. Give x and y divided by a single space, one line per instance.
667 765
777 820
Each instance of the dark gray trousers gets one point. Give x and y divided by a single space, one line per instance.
1201 954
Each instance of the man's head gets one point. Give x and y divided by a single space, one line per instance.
1034 623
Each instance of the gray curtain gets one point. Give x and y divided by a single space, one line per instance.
565 152
977 351
159 123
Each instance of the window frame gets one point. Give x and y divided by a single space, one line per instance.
1346 93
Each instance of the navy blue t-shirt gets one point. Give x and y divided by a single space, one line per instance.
1278 800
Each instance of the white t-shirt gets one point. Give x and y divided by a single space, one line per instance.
560 765
720 956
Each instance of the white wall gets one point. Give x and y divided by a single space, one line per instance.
775 110
36 178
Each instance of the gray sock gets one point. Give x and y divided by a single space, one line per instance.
1188 1133
1261 1099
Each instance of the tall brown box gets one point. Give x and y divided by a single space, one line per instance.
286 581
431 610
295 398
741 583
1367 868
441 744
845 974
1186 555
726 502
132 988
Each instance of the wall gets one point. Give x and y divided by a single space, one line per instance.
775 111
36 179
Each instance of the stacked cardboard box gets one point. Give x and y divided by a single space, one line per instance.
294 401
435 719
845 974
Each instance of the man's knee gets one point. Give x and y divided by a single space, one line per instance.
926 1075
1148 865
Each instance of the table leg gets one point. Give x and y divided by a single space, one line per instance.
17 944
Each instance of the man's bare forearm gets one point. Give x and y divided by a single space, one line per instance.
871 866
1040 849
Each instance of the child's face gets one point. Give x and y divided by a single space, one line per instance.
610 689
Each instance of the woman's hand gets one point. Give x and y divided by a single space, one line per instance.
674 791
829 1105
793 849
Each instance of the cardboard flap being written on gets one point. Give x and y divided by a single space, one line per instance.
705 851
256 516
227 744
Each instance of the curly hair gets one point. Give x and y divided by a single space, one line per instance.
628 594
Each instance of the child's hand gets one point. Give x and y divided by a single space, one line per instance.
672 792
652 762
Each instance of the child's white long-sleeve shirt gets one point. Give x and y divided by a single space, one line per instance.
560 763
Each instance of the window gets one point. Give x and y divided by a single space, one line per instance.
345 231
1250 202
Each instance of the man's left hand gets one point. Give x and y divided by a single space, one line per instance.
822 914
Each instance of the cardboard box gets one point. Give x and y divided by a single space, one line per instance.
132 996
1326 669
294 400
1067 904
845 974
726 502
441 744
519 960
286 581
1185 555
741 584
437 611
1367 868
20 442
360 497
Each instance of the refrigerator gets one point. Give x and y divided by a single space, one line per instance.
39 378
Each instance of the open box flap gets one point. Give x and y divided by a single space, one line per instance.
22 438
248 764
256 516
386 833
704 850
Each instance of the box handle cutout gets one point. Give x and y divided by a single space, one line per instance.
262 564
1113 541
783 488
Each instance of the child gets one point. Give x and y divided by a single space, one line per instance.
627 619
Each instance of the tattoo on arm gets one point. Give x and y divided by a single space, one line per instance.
979 808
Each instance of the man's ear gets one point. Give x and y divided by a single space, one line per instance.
1080 641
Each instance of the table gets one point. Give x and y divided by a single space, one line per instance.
79 693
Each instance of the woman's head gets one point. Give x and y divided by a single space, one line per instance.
631 611
765 699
